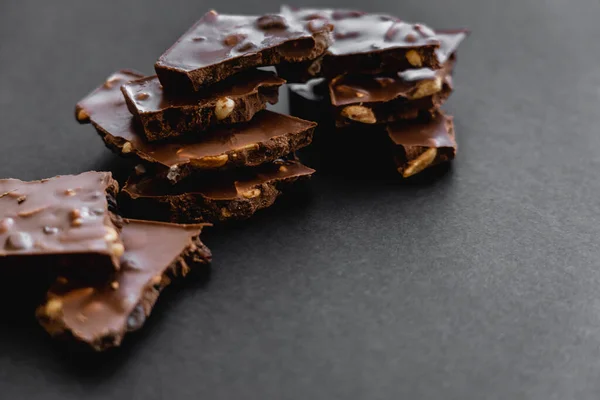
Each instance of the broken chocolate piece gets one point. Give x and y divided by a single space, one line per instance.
267 137
237 195
100 315
65 223
219 46
422 144
364 43
401 95
234 100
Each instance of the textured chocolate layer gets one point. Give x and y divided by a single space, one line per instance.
364 43
101 315
237 195
62 223
267 137
219 46
163 115
422 144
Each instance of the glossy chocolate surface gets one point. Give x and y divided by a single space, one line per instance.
437 132
266 137
101 314
58 217
241 42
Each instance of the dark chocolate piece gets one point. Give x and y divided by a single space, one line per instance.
101 315
65 223
422 144
267 137
214 199
387 98
399 95
364 43
219 46
234 100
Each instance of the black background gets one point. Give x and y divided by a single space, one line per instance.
483 283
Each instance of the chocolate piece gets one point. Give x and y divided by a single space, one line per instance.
422 144
364 43
219 46
400 95
267 137
237 195
234 100
388 98
65 223
101 315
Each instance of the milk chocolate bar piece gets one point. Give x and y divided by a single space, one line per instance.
422 144
219 46
163 114
389 97
65 223
101 315
220 198
364 43
267 137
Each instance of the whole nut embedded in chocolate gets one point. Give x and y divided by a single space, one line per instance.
117 249
82 115
420 163
359 114
19 241
414 58
224 108
427 88
271 21
212 161
252 193
53 308
6 224
127 148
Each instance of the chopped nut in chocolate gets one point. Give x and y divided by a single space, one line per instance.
100 315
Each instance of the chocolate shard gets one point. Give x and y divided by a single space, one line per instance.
422 144
219 46
364 43
101 315
65 223
234 196
383 98
267 137
163 115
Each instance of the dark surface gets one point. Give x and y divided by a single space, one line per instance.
483 283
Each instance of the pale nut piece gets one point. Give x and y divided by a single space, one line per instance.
117 249
127 148
414 58
53 308
224 108
82 115
420 163
212 161
359 114
111 234
426 88
252 193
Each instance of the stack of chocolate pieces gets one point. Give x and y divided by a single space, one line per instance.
103 273
208 149
380 76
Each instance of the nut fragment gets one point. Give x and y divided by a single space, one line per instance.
53 308
359 114
117 249
271 21
427 87
420 163
414 58
127 148
212 161
224 107
111 234
252 193
6 224
70 192
82 115
114 285
19 241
